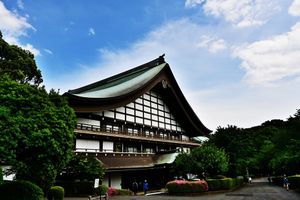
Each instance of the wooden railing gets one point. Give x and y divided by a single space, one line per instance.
90 150
133 135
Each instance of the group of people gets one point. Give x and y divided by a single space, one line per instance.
135 187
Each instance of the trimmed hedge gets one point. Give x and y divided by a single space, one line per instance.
293 180
224 184
180 187
21 190
56 193
82 188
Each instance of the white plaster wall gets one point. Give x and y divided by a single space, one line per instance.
88 121
90 145
108 146
115 180
184 137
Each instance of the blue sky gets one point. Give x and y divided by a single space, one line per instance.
236 61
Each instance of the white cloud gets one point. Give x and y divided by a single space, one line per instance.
13 26
193 3
212 44
92 31
20 4
294 9
48 51
241 13
30 48
271 60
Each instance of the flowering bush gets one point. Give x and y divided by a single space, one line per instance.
112 191
186 187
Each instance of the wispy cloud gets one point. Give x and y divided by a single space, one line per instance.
273 59
92 31
20 4
193 3
294 9
212 44
240 13
48 51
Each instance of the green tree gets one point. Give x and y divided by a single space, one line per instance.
83 167
183 164
19 64
207 158
36 131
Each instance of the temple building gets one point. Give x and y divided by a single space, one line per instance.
135 123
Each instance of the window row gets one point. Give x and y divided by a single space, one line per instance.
149 120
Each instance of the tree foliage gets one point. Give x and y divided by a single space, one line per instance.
207 158
273 147
84 168
19 64
37 127
36 131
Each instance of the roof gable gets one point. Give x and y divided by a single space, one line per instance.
124 88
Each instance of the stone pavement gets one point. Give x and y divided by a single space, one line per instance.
258 190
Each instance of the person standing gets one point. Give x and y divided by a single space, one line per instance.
145 187
286 183
135 187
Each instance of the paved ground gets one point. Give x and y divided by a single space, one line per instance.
258 190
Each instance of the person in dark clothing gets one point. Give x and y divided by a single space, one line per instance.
135 187
286 183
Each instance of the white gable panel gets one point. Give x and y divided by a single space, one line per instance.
87 145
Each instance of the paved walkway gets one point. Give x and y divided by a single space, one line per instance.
255 191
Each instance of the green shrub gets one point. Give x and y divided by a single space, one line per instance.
123 192
294 182
186 187
101 190
219 177
214 184
56 193
224 184
21 190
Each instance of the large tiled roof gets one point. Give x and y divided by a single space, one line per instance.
123 88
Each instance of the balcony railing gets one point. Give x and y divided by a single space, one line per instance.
85 150
82 128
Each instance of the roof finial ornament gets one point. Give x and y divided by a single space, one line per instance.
161 59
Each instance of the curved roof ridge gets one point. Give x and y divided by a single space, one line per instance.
131 72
